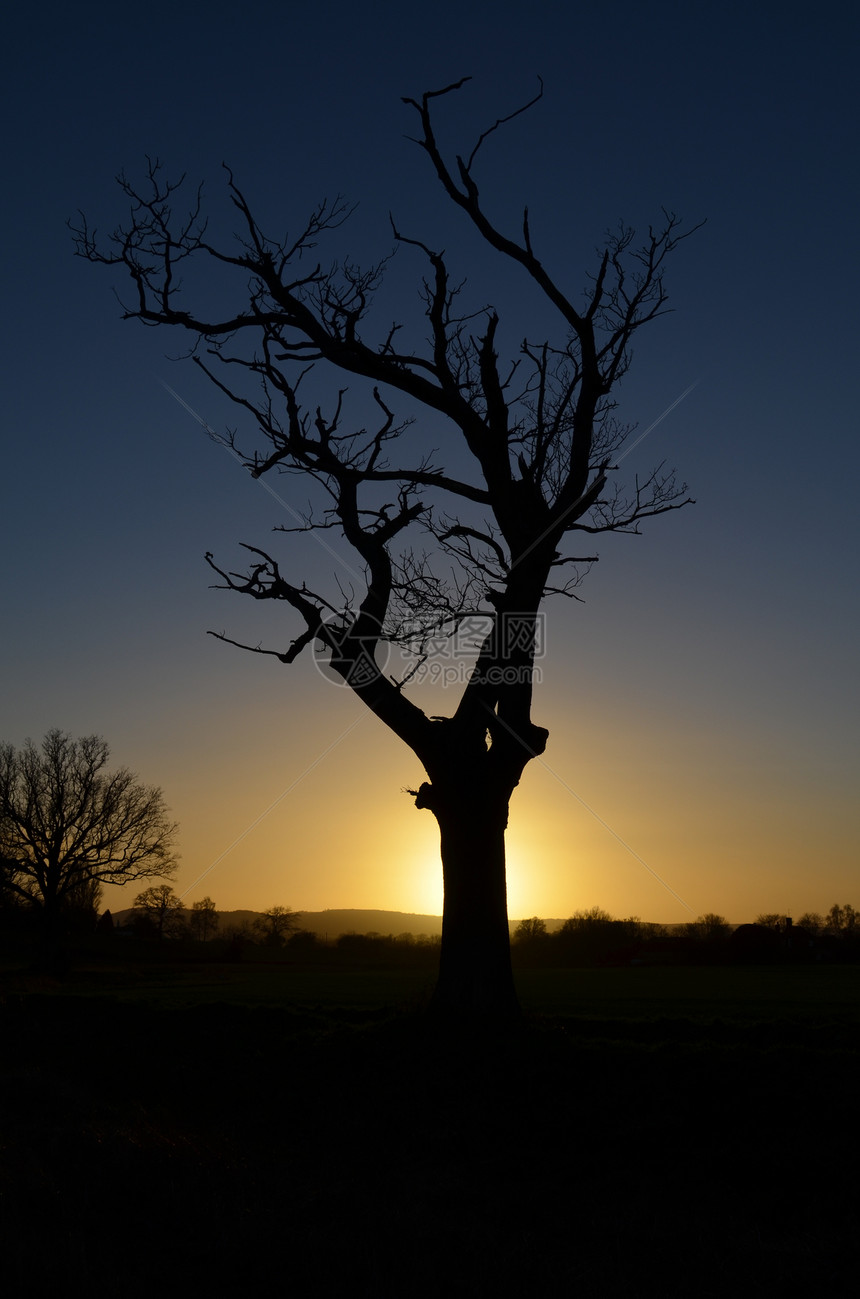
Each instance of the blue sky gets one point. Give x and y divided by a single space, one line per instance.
703 701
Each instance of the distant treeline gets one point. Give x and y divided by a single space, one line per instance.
596 938
160 924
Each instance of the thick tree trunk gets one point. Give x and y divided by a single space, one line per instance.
475 976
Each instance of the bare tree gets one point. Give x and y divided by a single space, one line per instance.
530 931
709 928
842 920
67 826
275 925
203 919
163 910
476 530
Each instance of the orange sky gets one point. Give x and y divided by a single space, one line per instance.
294 796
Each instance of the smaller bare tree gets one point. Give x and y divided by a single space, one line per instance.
67 826
841 920
709 928
163 910
530 931
275 925
203 920
813 922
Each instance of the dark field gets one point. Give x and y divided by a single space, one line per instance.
261 1129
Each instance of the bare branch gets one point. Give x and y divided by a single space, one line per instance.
501 122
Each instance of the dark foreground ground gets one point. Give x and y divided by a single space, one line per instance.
642 1132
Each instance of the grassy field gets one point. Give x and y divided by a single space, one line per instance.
794 992
811 1008
813 993
220 1130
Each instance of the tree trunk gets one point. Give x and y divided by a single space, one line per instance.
475 975
52 955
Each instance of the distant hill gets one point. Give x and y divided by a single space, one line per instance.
331 924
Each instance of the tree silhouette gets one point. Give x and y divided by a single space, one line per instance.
67 826
161 909
203 919
842 920
709 928
275 925
473 536
531 930
813 922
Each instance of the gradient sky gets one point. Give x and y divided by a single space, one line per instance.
703 701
